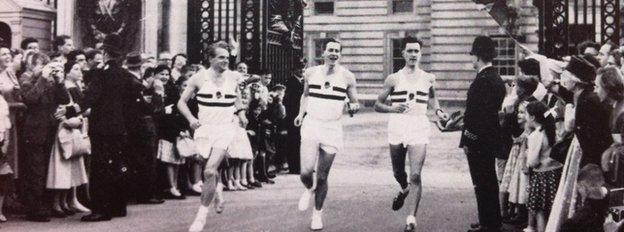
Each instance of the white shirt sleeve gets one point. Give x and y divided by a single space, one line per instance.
534 145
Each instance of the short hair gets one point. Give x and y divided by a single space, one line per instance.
530 67
90 55
161 68
264 71
592 60
410 39
73 54
527 84
212 50
55 54
187 68
39 56
587 44
611 81
617 56
68 66
330 40
60 41
27 41
149 71
173 60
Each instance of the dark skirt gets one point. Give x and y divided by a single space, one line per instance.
543 189
6 184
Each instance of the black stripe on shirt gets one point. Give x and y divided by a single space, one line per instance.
399 93
421 93
398 100
314 86
329 97
338 89
215 104
421 101
229 96
204 95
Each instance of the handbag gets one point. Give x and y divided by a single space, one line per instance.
186 146
74 141
81 142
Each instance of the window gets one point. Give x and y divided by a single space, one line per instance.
324 8
397 55
505 62
318 49
402 6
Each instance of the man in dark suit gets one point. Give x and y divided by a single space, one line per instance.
482 132
110 91
292 99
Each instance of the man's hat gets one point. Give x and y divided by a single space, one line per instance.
113 43
483 46
583 69
133 59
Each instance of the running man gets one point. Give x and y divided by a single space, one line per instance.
411 91
218 97
324 92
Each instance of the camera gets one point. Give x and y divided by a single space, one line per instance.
617 213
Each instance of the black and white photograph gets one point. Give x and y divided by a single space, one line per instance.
312 115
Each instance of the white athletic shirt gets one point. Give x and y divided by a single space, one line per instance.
216 103
413 90
327 94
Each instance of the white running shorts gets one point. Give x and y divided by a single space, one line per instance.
209 137
326 134
408 130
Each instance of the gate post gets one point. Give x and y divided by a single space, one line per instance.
610 21
250 33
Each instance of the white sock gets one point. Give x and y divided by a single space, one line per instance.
410 220
317 212
202 213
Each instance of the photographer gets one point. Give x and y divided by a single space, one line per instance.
42 94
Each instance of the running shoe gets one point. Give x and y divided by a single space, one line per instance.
398 201
410 224
317 220
410 228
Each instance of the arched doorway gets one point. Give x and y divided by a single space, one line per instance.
5 35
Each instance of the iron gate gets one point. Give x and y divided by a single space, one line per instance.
565 23
264 44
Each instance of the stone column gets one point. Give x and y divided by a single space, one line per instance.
65 14
178 26
151 14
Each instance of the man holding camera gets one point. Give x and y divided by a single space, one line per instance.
41 94
326 88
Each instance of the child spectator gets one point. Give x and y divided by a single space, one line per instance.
546 172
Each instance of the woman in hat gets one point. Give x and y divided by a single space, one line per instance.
588 119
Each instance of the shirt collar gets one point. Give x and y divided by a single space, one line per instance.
484 67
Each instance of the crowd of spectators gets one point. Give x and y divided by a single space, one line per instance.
61 110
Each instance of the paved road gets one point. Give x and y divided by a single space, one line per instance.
361 189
